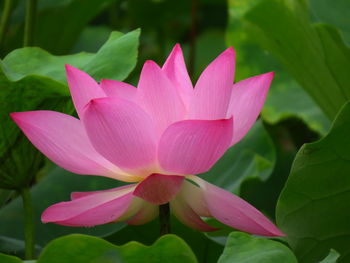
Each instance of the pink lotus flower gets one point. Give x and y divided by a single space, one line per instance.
158 136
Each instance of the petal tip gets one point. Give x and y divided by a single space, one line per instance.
149 66
229 51
94 102
14 115
69 68
150 63
269 75
277 233
177 48
104 81
45 216
18 117
228 55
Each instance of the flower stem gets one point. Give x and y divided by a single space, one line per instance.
29 23
5 17
164 219
28 223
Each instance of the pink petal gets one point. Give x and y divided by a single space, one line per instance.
82 87
63 140
193 196
157 95
114 88
193 146
247 99
93 209
122 132
175 68
213 89
76 195
158 188
234 211
147 213
189 215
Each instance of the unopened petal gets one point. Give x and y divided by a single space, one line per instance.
147 213
83 88
187 207
233 211
213 89
114 88
158 96
193 146
247 99
175 69
122 132
64 141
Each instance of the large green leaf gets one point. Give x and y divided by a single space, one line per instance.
59 38
333 12
313 209
254 156
209 45
85 249
19 160
5 196
53 188
92 38
33 79
332 257
315 56
14 246
58 23
298 105
253 60
114 60
244 248
205 249
9 259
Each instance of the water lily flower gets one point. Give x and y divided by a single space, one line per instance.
157 136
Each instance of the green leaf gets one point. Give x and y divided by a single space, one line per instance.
20 161
254 156
53 188
315 56
9 259
114 60
5 196
60 37
59 23
92 38
253 60
14 247
33 79
85 249
205 249
332 257
244 248
333 12
209 45
299 105
313 207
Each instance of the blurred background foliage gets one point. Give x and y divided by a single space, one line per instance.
305 42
